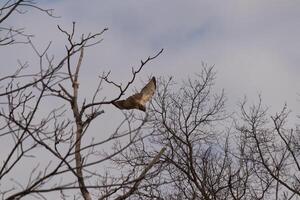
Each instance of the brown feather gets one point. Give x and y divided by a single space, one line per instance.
138 100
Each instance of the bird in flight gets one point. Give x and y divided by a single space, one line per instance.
138 100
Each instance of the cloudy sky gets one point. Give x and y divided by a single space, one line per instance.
254 45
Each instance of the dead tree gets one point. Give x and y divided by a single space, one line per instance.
10 34
46 144
208 155
184 120
273 150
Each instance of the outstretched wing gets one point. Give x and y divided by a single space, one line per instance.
148 91
138 100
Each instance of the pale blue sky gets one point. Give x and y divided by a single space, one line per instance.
254 45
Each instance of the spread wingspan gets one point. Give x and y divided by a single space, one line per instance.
138 100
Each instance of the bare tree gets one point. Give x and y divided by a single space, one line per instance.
10 34
186 122
209 155
273 150
34 131
186 146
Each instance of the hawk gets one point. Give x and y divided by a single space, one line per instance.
138 100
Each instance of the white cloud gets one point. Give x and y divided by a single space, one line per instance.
254 44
